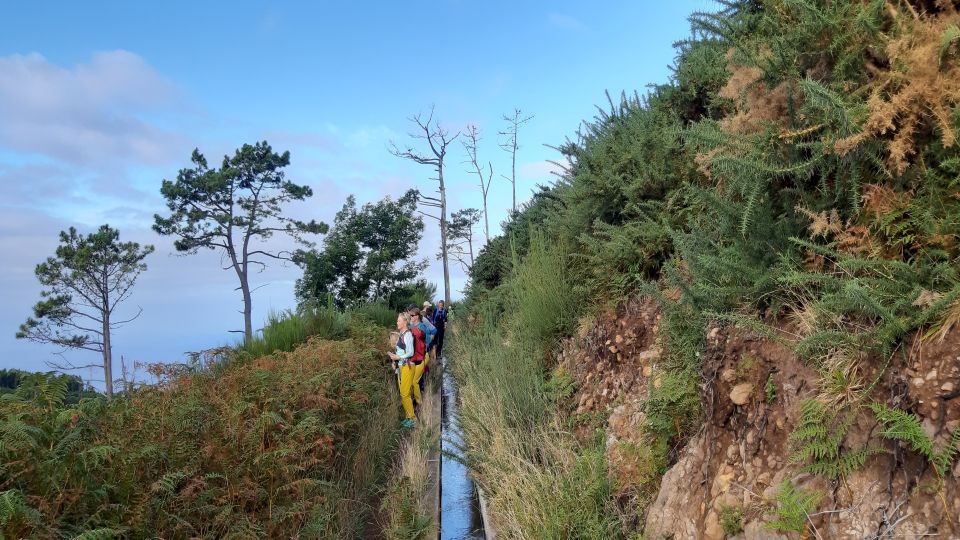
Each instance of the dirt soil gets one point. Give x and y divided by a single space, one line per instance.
751 393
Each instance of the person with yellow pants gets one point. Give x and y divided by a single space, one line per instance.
407 370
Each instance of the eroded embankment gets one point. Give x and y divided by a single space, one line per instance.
780 449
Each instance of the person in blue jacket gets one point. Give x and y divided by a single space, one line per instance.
431 332
440 322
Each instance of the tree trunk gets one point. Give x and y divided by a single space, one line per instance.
107 355
514 173
443 235
247 309
486 220
470 245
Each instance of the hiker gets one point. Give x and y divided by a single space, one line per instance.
403 361
440 322
431 331
419 350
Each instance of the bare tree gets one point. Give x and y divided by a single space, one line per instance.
470 144
510 145
438 139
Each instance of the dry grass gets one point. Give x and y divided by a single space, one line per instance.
951 319
409 504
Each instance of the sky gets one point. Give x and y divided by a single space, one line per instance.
99 103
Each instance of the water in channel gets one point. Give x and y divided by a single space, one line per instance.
459 507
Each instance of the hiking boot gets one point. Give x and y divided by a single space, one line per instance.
408 423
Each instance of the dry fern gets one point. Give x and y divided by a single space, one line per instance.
918 87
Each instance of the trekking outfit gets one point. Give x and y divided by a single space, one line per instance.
415 371
440 322
406 351
429 331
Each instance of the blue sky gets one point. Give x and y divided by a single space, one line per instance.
99 104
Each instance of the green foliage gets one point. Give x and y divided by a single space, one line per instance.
234 209
770 389
87 279
413 292
367 255
377 313
284 331
790 168
560 386
494 263
903 426
793 508
408 521
12 379
542 308
817 440
460 236
545 484
270 446
731 519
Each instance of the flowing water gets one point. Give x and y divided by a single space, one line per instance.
459 507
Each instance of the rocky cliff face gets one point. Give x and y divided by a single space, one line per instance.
723 481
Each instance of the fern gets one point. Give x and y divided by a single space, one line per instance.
905 427
104 533
14 509
793 508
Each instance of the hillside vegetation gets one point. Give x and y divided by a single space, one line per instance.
798 177
282 444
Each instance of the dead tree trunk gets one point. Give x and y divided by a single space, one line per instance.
470 145
510 145
438 139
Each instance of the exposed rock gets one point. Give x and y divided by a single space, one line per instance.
648 355
740 394
670 515
712 529
947 387
728 375
757 530
931 375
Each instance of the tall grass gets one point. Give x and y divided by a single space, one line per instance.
377 312
285 330
540 481
409 504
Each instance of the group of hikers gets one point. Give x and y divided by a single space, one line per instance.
419 337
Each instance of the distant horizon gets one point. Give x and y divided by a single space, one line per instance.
100 107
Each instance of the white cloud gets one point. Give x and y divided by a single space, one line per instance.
92 113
